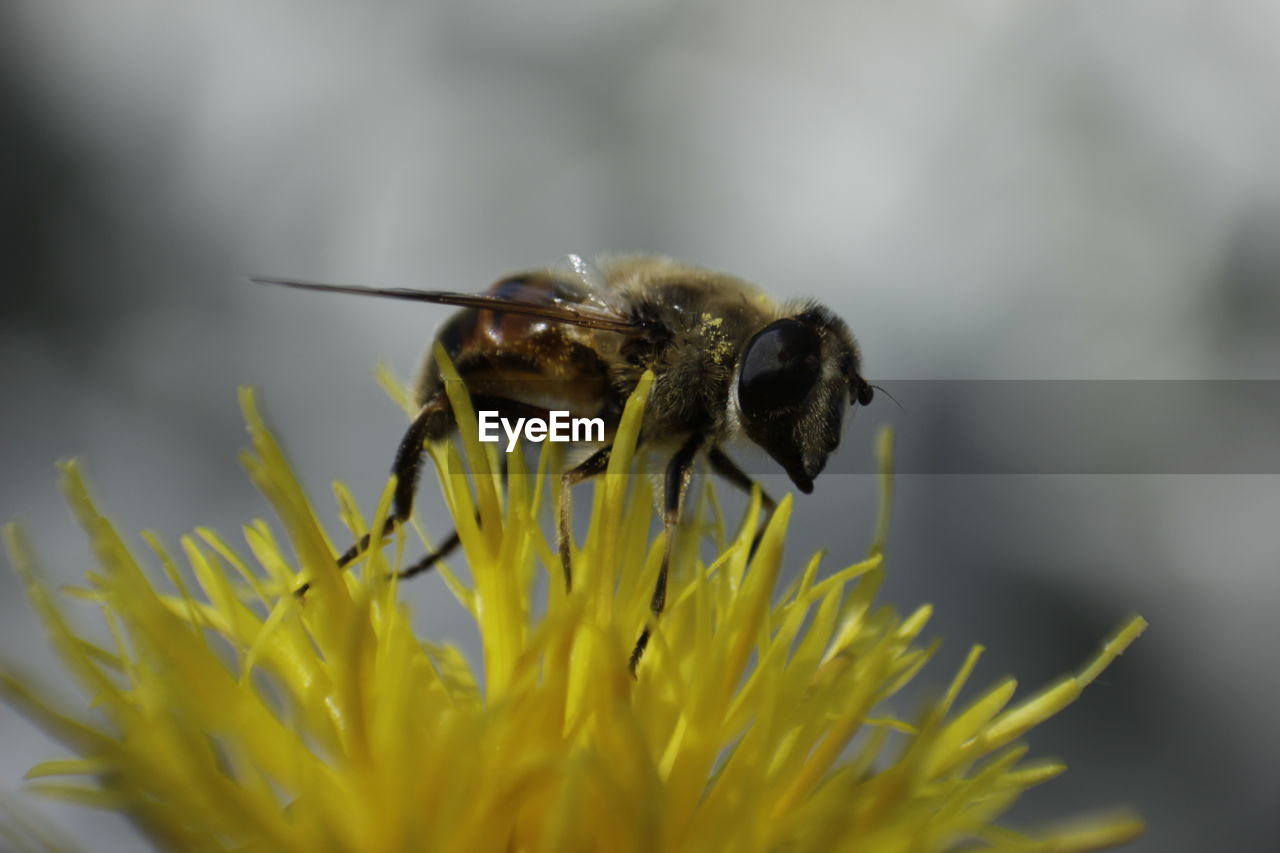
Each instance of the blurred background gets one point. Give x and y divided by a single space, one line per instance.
984 189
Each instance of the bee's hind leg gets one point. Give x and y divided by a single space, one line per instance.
452 541
676 485
428 561
434 420
727 468
506 409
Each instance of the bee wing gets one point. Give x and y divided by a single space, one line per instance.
507 297
589 284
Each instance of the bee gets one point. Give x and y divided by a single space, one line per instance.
728 362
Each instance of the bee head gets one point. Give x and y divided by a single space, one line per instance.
794 380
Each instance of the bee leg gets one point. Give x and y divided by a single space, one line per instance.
676 485
507 409
727 468
428 561
432 421
594 464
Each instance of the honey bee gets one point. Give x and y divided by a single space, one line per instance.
728 362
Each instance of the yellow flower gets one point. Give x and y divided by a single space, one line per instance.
236 716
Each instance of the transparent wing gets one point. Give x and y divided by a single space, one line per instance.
561 298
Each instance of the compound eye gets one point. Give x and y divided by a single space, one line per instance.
781 365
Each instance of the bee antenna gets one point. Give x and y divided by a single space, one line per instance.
881 389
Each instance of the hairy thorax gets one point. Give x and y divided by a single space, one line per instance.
695 362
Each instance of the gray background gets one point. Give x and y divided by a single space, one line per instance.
983 189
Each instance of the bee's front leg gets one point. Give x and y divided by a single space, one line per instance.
727 468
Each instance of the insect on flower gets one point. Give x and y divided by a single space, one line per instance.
729 361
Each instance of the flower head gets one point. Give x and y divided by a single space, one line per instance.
231 714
